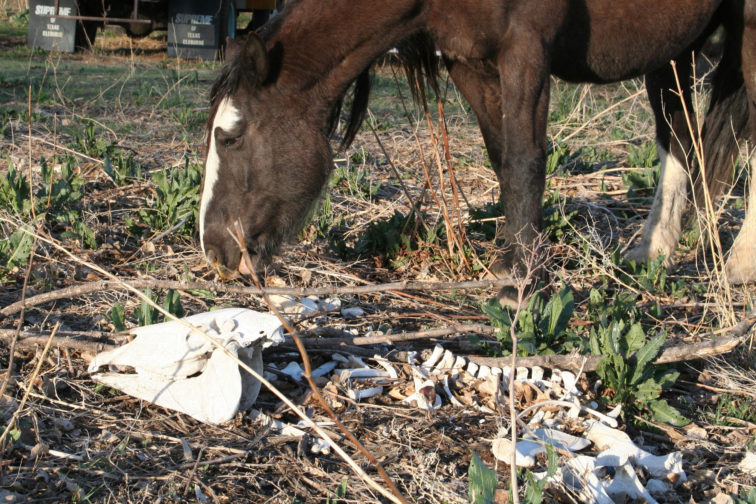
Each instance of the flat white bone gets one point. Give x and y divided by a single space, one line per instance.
626 484
358 395
174 366
525 453
561 439
438 351
385 364
324 368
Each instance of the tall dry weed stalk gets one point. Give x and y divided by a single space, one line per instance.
707 212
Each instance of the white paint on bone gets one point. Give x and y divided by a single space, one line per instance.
741 264
226 117
663 227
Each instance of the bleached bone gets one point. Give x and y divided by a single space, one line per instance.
536 373
330 304
459 365
293 370
360 394
419 397
472 368
521 374
431 361
525 453
570 382
324 368
626 484
591 488
748 464
361 373
659 466
385 364
448 392
658 488
319 446
446 362
176 367
561 440
355 361
352 312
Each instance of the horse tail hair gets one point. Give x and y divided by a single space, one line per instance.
417 54
727 116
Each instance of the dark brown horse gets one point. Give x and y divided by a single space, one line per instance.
275 103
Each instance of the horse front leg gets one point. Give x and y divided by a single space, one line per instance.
524 79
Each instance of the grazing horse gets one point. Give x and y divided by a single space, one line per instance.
277 99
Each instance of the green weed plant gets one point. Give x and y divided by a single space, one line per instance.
542 326
628 373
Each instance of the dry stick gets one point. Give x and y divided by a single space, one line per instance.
397 496
405 336
415 206
310 423
20 323
602 113
32 379
713 236
456 239
96 341
142 283
512 371
678 353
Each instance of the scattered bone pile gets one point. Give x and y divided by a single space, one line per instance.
615 469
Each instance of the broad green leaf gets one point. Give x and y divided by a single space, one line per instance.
118 317
635 336
668 379
648 390
646 354
663 412
482 481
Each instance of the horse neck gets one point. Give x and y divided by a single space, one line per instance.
324 46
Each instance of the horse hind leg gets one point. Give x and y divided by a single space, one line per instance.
741 263
663 227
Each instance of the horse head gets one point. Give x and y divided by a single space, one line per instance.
267 161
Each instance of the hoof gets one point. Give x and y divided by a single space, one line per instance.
639 253
642 252
741 268
503 266
507 297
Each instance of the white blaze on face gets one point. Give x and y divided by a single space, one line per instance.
226 118
663 226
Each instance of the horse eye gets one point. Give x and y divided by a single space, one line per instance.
228 142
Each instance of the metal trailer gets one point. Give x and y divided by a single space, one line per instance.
196 28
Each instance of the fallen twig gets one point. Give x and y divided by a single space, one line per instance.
143 283
678 353
392 493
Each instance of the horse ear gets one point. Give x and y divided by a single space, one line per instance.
232 48
256 56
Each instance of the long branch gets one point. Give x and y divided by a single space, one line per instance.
143 283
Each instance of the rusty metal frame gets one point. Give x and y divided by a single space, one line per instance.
102 18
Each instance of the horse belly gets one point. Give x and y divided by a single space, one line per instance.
611 41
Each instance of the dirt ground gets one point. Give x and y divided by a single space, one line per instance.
72 440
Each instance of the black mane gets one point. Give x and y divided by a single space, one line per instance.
416 53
